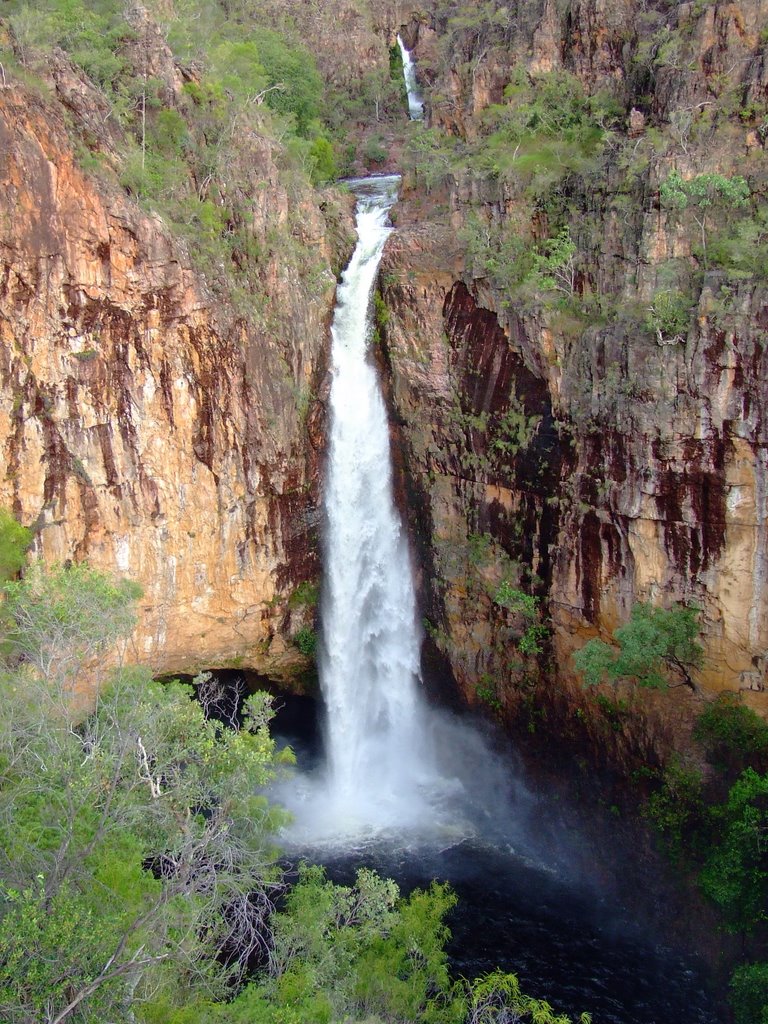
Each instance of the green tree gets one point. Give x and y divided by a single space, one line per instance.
58 620
735 736
706 197
749 994
527 607
677 809
735 874
14 541
135 851
498 999
654 647
554 264
669 316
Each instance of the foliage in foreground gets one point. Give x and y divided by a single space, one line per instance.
717 827
138 875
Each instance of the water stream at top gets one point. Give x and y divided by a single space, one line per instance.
415 101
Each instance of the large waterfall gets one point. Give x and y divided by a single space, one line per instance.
369 657
379 771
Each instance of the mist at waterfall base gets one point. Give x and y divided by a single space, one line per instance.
388 782
536 894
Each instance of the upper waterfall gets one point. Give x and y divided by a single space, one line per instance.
415 101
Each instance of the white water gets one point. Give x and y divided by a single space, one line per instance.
378 759
395 771
369 661
415 101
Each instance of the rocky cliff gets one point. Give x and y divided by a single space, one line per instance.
145 425
564 428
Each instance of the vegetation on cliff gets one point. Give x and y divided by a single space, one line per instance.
180 105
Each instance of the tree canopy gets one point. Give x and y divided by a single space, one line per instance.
139 879
657 648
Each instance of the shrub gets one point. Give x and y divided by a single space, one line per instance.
374 150
669 315
14 541
676 809
733 734
735 874
749 994
653 646
305 641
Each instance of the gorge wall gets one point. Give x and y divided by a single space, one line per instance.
146 424
575 360
566 435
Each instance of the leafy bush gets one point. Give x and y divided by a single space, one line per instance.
707 198
653 646
733 734
134 847
527 606
669 315
374 150
735 874
305 640
14 541
749 994
305 595
677 808
548 128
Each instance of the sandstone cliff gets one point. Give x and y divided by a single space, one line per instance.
144 425
567 445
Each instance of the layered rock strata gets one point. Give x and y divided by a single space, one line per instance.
598 464
146 427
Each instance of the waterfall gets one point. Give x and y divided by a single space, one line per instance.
415 102
393 767
369 657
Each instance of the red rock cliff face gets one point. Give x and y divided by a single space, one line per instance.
146 428
593 466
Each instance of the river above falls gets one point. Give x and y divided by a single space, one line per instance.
535 894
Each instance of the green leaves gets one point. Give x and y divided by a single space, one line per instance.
527 606
653 647
735 874
497 999
669 315
749 988
305 641
708 198
138 829
357 952
703 190
59 619
14 541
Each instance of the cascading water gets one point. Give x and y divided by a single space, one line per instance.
380 773
369 659
415 102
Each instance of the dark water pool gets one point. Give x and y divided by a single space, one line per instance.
537 908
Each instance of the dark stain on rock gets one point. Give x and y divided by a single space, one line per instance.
691 503
104 434
590 562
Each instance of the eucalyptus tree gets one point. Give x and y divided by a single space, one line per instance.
136 859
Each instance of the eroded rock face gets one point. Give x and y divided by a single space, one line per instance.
594 467
145 427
